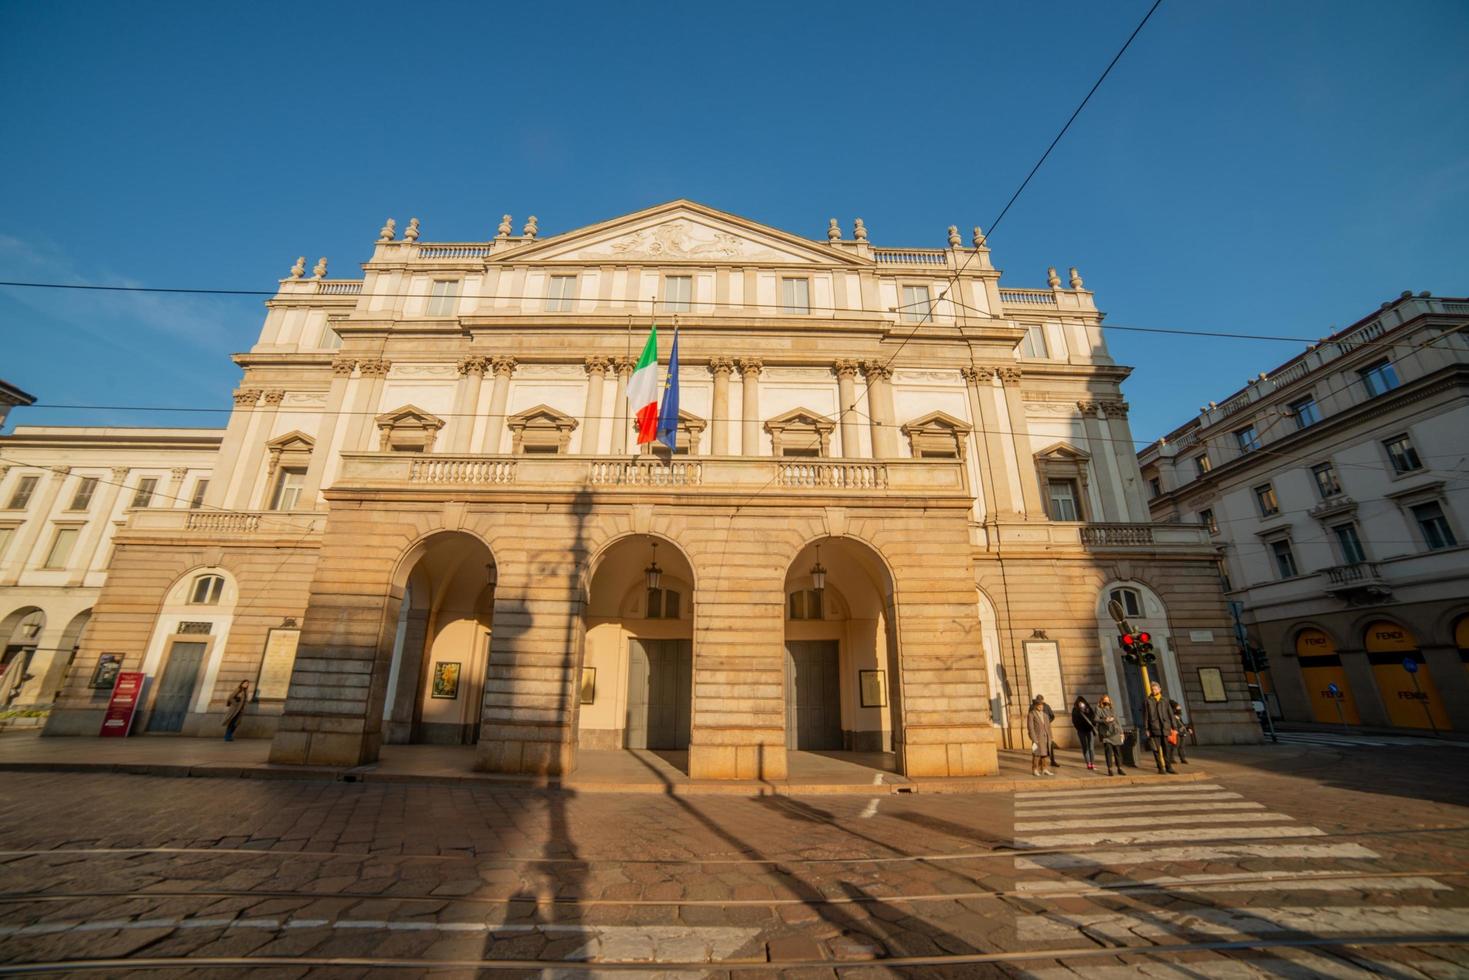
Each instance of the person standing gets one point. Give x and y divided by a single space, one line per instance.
1109 730
1179 726
1050 720
1084 720
1038 727
234 710
1158 722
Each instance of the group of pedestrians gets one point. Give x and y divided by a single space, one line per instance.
1163 725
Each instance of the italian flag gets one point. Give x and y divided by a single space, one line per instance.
642 390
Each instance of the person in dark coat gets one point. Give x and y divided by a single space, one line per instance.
1084 720
1109 730
1038 727
1181 727
1158 722
234 710
1050 720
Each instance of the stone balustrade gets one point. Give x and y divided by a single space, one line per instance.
338 287
1069 536
226 523
910 256
1028 297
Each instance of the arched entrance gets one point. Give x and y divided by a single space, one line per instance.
1144 610
841 675
1325 681
21 631
1409 695
436 678
636 689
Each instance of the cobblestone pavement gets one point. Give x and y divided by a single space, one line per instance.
1304 860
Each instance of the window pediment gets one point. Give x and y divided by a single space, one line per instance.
292 449
541 429
800 432
937 434
408 429
690 431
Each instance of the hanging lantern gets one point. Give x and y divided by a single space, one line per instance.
653 572
818 573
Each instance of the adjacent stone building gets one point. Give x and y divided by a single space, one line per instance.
1335 487
901 499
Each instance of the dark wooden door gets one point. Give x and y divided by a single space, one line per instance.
659 694
176 687
813 695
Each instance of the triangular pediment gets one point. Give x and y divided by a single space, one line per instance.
543 415
801 417
410 415
1064 452
680 232
293 441
937 420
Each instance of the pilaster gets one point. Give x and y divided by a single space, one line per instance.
846 372
228 459
721 368
591 433
503 368
1030 489
321 453
750 368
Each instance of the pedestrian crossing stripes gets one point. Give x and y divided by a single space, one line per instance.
1346 741
1281 879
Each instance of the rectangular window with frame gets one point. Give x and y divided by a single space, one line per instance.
1064 503
330 339
1433 525
1247 438
561 294
1202 465
1034 343
795 295
288 488
1378 378
1285 558
1266 501
678 293
1327 484
21 498
61 545
1402 455
917 304
442 296
1349 543
82 499
143 496
1155 487
201 487
1305 412
1206 518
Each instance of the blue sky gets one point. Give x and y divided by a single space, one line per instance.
1257 166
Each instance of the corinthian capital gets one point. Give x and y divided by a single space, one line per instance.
1089 407
374 369
598 364
502 365
274 396
471 365
750 367
1115 408
876 371
979 374
1009 375
342 367
721 366
624 366
246 397
846 368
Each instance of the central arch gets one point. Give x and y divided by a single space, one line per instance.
441 643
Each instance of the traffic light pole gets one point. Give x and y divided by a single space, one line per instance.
1264 698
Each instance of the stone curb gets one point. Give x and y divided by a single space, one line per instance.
752 788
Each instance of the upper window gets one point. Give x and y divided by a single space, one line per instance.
1064 504
917 304
1265 500
1327 484
207 590
678 293
330 339
61 545
1434 525
1305 412
1285 558
560 294
1349 543
805 604
795 295
201 487
1202 464
21 498
1034 344
143 496
1378 378
1155 486
663 604
82 499
1130 600
442 296
1402 455
1248 439
288 488
1206 518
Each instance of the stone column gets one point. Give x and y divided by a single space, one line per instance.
846 372
97 527
1133 502
720 367
624 366
466 396
989 456
1030 485
1102 463
367 392
880 410
255 452
591 432
231 447
336 400
750 368
39 519
503 367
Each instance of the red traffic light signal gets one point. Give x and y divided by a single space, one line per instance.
1129 641
1144 638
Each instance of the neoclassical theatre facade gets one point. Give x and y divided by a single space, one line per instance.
901 499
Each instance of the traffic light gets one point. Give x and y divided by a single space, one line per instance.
1144 645
1131 647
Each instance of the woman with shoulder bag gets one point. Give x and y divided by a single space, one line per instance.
1109 730
1038 727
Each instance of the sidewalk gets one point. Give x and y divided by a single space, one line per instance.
630 771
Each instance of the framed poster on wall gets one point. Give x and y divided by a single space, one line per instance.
276 664
1043 667
446 680
109 665
589 685
1212 682
873 686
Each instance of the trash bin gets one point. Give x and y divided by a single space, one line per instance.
1129 748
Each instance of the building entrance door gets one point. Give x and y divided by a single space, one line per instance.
176 687
659 693
813 695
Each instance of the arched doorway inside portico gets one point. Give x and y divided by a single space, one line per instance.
436 679
636 688
842 685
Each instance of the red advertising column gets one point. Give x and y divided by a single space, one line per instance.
119 716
